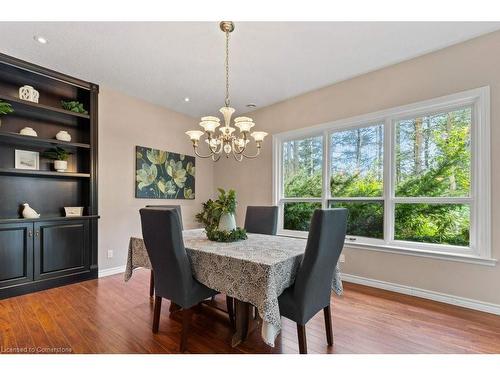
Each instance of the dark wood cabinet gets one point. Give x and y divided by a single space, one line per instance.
53 250
60 248
39 254
16 254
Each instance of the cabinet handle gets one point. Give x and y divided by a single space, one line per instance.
30 233
37 233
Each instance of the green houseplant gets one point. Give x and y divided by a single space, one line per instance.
73 106
217 217
60 157
5 109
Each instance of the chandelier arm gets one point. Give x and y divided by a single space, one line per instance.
237 154
216 158
214 149
234 146
201 156
252 156
221 147
240 158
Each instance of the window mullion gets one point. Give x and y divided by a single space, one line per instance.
388 180
325 193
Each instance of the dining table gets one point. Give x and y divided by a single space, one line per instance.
254 271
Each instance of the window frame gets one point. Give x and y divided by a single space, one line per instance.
479 199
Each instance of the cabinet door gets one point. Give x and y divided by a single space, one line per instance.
16 253
61 248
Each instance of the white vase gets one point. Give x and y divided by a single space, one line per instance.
60 165
227 222
63 135
28 131
29 213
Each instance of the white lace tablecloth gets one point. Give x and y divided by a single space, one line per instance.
256 270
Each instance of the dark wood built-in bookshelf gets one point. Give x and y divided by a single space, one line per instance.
52 250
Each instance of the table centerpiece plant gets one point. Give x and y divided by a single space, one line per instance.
217 217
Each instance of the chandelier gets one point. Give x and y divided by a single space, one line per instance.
226 142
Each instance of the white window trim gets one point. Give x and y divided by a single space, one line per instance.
480 200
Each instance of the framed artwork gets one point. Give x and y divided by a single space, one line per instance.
27 159
163 175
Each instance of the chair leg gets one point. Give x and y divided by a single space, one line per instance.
301 333
156 316
152 284
173 307
328 325
230 310
186 321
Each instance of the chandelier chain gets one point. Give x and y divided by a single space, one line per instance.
227 102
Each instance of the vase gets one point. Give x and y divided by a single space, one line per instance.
60 165
227 222
63 135
28 131
29 213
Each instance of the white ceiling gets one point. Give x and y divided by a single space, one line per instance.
165 62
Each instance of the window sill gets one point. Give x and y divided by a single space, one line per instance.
474 259
464 258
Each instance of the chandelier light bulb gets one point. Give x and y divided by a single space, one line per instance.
194 135
258 136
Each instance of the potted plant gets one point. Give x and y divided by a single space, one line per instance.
5 109
73 106
218 218
60 157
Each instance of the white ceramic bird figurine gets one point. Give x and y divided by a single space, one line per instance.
29 213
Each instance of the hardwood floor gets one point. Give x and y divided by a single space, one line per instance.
111 316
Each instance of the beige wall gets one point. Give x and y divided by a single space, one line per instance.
465 66
125 122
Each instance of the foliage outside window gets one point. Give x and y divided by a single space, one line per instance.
418 190
302 167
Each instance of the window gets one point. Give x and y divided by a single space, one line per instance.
302 181
413 178
356 178
433 159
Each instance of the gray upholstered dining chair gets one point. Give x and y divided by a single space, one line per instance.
261 219
313 284
161 230
179 212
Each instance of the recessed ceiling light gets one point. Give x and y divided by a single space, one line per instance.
40 39
251 105
186 99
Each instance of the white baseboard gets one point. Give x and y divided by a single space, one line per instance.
111 271
428 294
393 287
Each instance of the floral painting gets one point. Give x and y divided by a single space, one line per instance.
163 175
